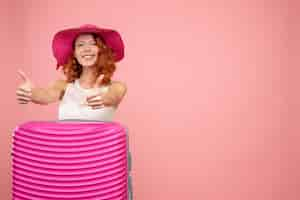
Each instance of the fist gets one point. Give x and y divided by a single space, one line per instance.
24 90
95 98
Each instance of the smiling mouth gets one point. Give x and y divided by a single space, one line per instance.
88 56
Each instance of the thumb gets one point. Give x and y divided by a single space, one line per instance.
23 75
99 80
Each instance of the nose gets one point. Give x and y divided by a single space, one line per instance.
86 49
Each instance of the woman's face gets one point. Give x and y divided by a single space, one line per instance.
86 50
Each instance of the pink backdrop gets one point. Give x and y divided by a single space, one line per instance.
207 102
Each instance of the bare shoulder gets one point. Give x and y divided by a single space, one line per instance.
119 85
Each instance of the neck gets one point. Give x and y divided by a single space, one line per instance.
88 77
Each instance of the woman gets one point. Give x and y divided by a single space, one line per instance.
87 55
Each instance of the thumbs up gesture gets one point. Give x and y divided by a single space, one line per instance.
96 99
24 90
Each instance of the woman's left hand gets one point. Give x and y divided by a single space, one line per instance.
111 98
97 101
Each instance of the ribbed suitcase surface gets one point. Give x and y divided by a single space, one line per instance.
70 160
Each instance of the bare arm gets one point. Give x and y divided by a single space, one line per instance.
27 92
115 94
52 93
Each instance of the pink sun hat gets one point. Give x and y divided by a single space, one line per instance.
63 40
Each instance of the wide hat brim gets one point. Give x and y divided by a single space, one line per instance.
63 41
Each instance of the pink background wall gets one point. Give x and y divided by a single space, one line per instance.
292 150
207 102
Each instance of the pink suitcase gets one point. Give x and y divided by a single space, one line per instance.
78 160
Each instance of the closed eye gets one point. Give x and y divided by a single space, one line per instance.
81 44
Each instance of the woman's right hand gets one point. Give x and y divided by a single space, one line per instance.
24 91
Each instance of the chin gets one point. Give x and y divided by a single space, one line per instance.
91 64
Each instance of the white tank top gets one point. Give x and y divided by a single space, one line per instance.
70 108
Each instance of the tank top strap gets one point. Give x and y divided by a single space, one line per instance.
68 86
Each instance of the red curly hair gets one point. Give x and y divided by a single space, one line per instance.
105 63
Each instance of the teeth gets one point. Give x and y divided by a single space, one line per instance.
88 56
